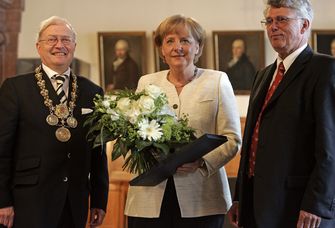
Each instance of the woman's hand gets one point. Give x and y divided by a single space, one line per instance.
189 167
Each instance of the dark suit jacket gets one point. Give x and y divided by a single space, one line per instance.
34 165
242 74
125 76
295 163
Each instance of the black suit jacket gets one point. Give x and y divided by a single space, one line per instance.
125 76
295 160
242 74
37 172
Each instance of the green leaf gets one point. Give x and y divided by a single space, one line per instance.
140 145
163 147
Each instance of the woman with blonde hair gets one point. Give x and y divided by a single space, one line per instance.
198 193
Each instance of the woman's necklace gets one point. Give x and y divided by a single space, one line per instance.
60 115
188 81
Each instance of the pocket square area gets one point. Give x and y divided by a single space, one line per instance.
86 111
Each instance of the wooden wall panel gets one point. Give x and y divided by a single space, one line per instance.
10 26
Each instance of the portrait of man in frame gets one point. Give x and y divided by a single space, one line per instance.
323 41
121 59
240 54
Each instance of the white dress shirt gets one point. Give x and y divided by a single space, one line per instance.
51 73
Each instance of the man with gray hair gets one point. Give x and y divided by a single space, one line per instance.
287 168
48 169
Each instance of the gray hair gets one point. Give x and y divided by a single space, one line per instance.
55 20
123 44
302 7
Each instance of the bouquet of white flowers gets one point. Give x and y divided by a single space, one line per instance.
143 125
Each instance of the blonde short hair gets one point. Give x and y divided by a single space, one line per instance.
171 24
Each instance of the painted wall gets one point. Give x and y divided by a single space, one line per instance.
89 17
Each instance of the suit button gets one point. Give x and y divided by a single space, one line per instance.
175 106
65 179
69 155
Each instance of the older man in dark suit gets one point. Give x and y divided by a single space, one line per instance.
47 167
287 169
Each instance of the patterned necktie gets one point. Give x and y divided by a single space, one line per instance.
254 138
60 79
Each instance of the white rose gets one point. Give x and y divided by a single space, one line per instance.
153 91
113 114
112 98
106 103
133 113
146 104
123 104
167 110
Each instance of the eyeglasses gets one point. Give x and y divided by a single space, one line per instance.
279 20
54 40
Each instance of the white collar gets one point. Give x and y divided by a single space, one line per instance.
290 58
51 72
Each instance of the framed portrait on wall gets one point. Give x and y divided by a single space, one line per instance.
122 59
323 41
240 54
161 65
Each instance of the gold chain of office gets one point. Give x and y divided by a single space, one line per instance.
60 115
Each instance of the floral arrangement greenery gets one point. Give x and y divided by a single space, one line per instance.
144 126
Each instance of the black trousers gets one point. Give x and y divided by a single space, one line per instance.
170 216
248 215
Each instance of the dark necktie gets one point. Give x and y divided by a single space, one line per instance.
254 139
60 79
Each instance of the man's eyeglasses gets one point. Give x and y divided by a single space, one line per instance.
54 40
279 20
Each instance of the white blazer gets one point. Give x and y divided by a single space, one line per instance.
210 104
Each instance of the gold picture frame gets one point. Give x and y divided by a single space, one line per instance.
323 41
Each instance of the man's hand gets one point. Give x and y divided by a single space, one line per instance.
7 216
308 220
233 214
97 216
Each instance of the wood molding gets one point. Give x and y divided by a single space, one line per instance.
10 26
232 166
6 3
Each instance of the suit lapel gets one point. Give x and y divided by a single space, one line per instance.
261 86
257 96
293 72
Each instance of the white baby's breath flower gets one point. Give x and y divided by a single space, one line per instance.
123 104
150 130
146 104
153 91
